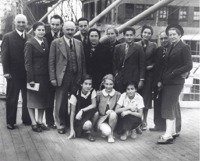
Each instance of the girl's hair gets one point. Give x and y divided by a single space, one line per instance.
86 77
108 76
132 83
37 24
146 27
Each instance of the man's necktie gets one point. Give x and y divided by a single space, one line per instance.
43 46
22 36
70 43
55 35
85 40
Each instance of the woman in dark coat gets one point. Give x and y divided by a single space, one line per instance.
149 49
97 57
178 65
36 65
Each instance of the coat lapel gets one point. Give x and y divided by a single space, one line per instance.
77 51
64 48
37 45
131 50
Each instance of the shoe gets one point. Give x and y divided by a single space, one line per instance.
123 137
133 135
62 131
43 126
143 127
156 129
175 135
138 130
162 140
111 139
36 128
10 126
51 126
90 138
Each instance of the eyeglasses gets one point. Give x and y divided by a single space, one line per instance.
163 38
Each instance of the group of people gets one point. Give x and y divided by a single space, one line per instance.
85 85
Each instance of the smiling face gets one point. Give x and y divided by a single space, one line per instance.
86 86
174 37
94 38
108 84
20 22
130 90
56 25
40 32
129 36
146 34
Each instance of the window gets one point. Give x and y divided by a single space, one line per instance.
139 8
129 11
183 13
163 13
151 16
196 14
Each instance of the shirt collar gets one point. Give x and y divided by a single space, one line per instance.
67 40
39 41
53 33
134 99
110 94
20 33
85 95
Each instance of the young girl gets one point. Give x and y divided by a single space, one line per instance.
130 110
107 101
83 108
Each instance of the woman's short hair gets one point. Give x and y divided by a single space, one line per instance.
146 27
95 30
37 24
112 28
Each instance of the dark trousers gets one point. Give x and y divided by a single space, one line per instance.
50 103
61 110
14 86
158 120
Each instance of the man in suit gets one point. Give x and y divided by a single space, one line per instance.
157 86
56 23
128 62
14 70
83 26
66 68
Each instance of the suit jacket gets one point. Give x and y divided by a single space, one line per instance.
78 37
149 52
178 62
36 59
134 63
50 38
12 53
58 59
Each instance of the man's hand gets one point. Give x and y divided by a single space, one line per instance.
54 82
140 84
7 76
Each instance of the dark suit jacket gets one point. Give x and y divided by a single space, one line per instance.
178 62
36 59
134 65
50 38
58 59
149 53
12 53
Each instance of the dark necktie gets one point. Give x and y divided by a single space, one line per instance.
85 40
55 35
70 43
22 36
43 46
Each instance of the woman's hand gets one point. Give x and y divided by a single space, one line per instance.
79 115
124 113
72 134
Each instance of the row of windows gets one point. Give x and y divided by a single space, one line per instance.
182 12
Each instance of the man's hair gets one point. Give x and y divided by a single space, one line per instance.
57 17
82 19
112 28
129 28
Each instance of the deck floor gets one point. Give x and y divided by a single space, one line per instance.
22 144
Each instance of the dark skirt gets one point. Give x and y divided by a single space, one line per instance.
127 123
38 99
146 91
170 97
78 125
